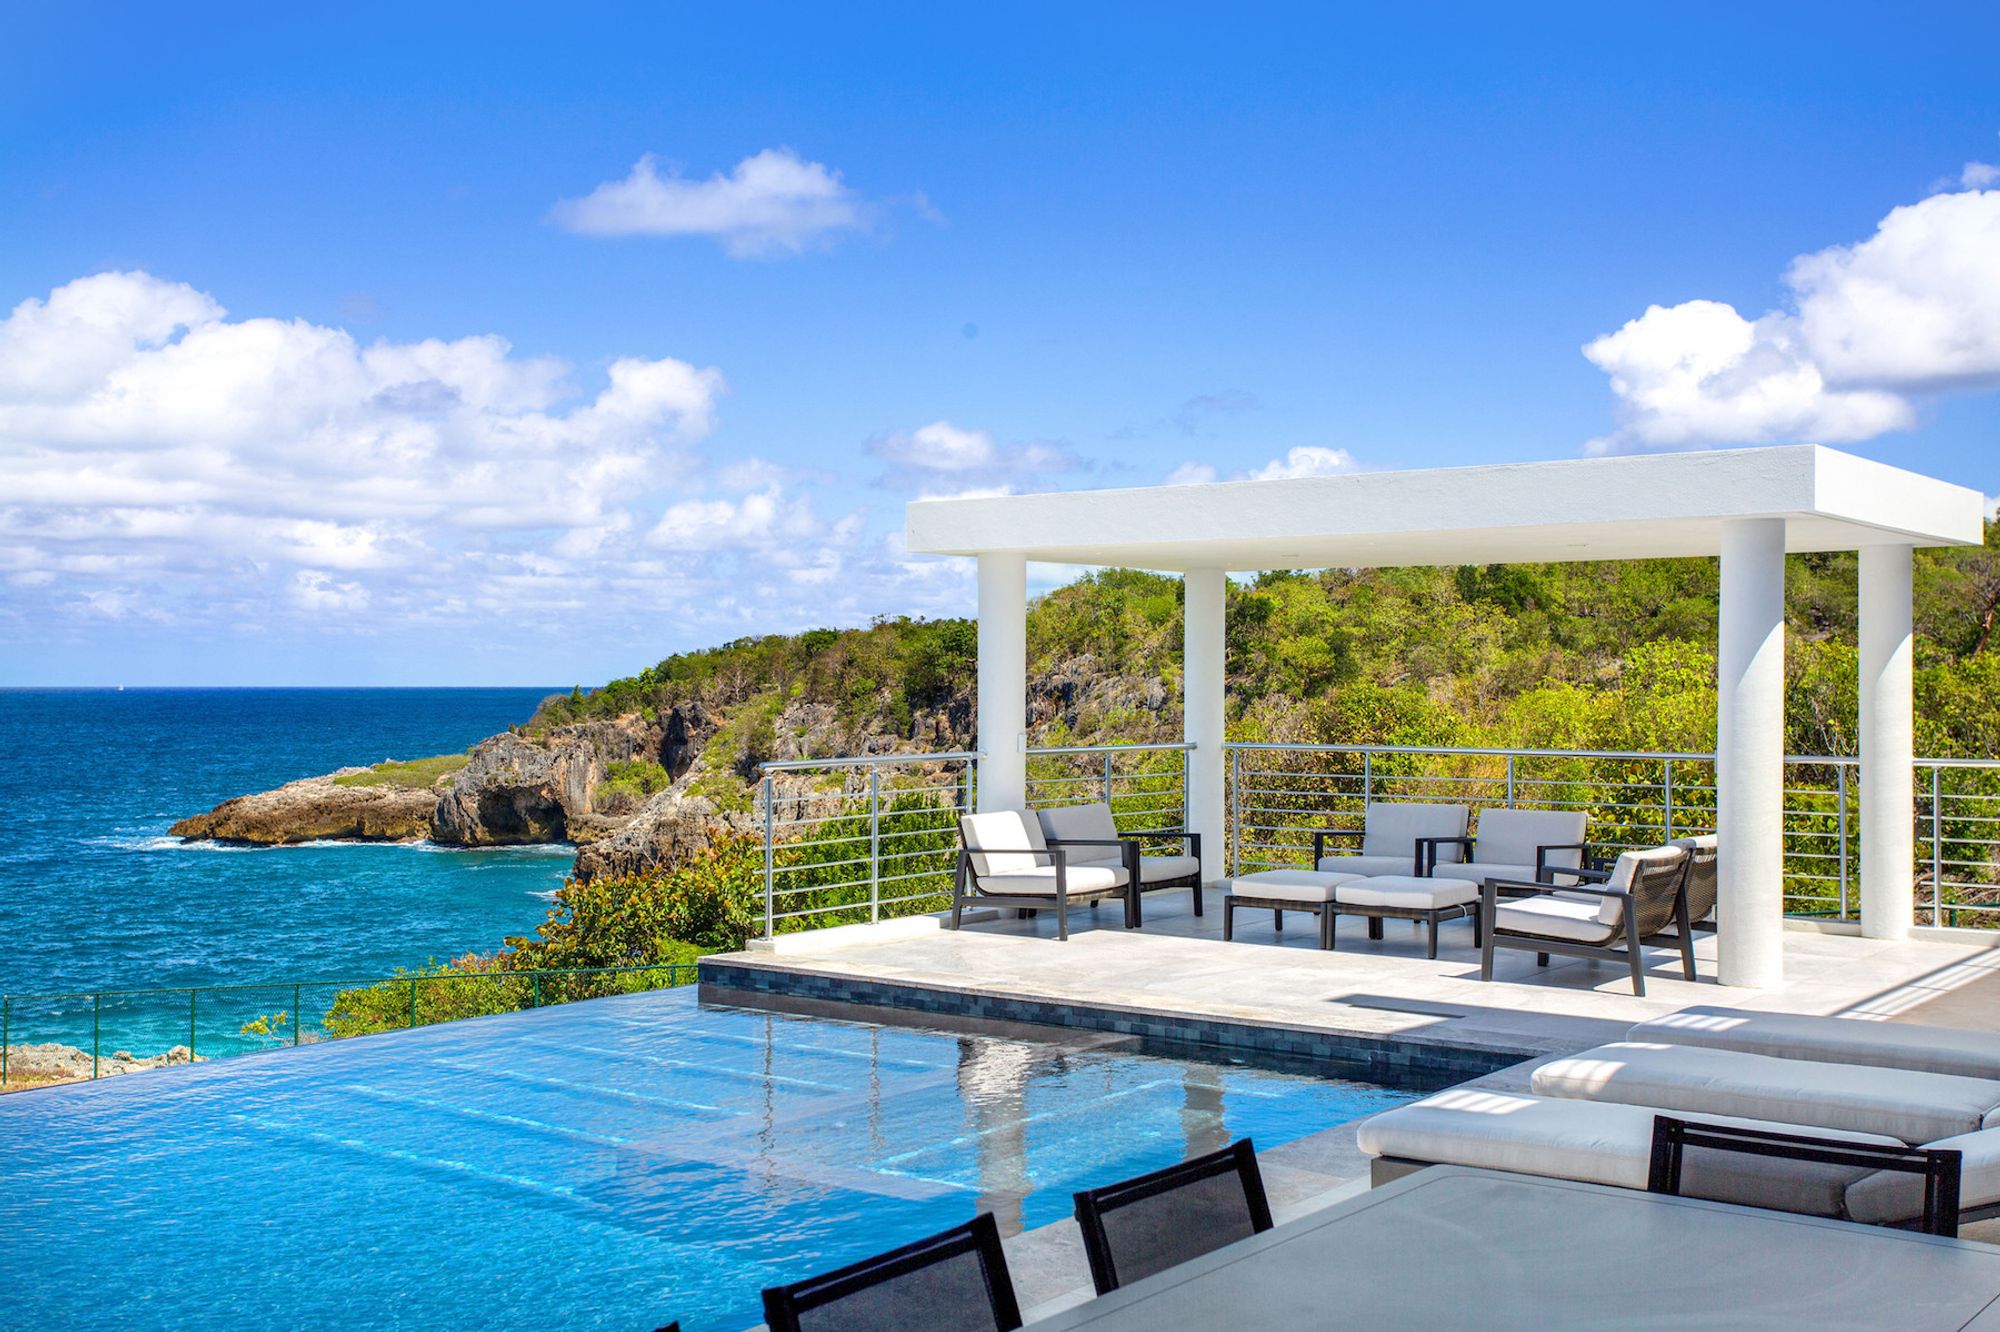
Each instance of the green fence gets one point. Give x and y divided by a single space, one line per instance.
212 1021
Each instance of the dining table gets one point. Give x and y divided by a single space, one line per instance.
1454 1247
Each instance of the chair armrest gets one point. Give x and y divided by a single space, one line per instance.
1088 841
1542 868
1535 888
1590 874
1427 851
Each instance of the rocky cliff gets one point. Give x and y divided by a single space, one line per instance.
317 809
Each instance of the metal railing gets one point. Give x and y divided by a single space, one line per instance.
142 1019
863 839
1279 794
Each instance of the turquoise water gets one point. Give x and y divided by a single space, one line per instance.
94 894
609 1164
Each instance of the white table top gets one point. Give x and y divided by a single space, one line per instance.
1451 1247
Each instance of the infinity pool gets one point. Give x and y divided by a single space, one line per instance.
608 1164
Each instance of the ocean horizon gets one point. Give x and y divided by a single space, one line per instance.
95 894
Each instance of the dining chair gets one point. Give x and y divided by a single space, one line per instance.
953 1281
1151 1222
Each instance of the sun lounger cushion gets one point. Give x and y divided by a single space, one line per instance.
1912 1107
1888 1195
1591 1141
1966 1054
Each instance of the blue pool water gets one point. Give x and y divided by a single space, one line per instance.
609 1164
95 895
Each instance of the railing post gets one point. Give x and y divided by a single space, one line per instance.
1367 781
1840 807
1187 765
96 1028
298 1018
1937 849
1107 776
1667 799
1235 812
1510 782
770 867
6 1034
191 1000
413 1001
535 989
874 844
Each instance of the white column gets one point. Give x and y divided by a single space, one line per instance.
1003 681
1888 805
1203 668
1750 754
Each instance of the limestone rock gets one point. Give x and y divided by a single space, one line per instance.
316 809
669 829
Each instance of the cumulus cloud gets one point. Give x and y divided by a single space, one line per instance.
1870 330
1305 460
942 460
772 203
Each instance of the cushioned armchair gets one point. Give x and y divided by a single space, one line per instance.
1514 844
1003 860
1391 840
1092 837
1645 892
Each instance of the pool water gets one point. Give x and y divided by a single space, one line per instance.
608 1164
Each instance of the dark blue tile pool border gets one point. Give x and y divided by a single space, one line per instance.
1391 1061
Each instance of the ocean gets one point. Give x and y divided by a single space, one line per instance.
95 895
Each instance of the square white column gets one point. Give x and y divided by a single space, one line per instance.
1750 755
1003 682
1204 669
1888 800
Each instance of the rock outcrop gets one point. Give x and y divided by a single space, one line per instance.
317 809
667 830
28 1065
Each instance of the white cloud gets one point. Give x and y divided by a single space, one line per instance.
315 590
1979 175
942 460
1305 460
1912 310
768 204
752 522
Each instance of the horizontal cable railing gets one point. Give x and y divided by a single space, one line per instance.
868 838
221 1020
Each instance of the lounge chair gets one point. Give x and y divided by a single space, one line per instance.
1914 1108
1796 1172
954 1281
1601 1142
1154 1221
1392 837
1004 861
1830 1040
1644 893
1089 827
1527 844
1701 879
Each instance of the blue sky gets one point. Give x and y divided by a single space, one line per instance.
256 425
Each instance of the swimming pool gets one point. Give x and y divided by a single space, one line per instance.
606 1164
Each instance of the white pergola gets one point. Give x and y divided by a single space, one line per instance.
1749 506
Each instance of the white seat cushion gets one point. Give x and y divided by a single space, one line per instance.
1159 869
1512 836
1040 881
1551 918
1888 1195
1003 841
1089 823
1912 1107
1286 885
1412 894
1831 1040
1595 1142
1392 829
1479 871
1365 866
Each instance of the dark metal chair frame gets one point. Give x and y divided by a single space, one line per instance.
965 886
1646 914
1324 911
1239 1158
981 1236
1939 1166
1134 852
1427 861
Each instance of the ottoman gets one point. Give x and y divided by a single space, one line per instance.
1282 890
1405 897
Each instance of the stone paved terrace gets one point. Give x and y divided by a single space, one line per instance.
1178 970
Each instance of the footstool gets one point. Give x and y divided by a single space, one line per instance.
1282 890
1406 897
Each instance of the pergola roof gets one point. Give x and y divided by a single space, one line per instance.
1638 507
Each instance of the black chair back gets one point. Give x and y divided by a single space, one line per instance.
954 1281
1790 1172
1154 1221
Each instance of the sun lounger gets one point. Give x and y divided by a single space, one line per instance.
1916 1108
1830 1040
